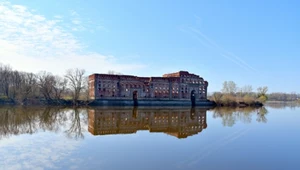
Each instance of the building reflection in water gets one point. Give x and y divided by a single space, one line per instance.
179 122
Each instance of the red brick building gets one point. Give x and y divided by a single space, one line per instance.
179 85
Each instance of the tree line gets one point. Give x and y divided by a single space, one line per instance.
20 87
279 96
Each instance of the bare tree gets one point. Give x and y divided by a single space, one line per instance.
59 86
15 83
28 86
76 81
46 82
5 73
229 87
262 90
247 89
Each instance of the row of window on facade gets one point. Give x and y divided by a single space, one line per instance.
147 116
122 85
156 91
108 84
156 88
192 81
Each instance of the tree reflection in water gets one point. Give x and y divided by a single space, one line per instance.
29 120
261 115
231 115
75 130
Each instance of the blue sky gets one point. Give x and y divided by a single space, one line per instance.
249 42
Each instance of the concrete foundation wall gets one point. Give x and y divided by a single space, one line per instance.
149 102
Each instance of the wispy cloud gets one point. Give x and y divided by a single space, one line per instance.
76 20
80 23
31 42
58 17
210 43
74 13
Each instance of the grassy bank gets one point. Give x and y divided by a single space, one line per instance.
44 102
232 100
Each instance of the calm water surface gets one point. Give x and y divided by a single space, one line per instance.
150 138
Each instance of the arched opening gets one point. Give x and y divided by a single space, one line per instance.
192 113
193 98
135 97
134 112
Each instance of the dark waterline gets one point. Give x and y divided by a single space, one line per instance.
149 138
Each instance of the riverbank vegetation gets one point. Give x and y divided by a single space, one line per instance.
232 95
17 87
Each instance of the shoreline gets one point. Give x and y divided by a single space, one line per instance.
124 102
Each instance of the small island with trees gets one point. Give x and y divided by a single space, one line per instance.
231 95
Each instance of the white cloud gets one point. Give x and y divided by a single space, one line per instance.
73 13
76 21
58 17
31 42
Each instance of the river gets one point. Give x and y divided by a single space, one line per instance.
150 138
